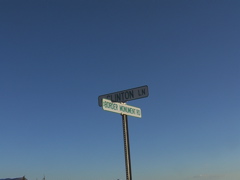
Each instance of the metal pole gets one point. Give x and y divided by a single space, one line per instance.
126 147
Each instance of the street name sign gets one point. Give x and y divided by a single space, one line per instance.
121 108
125 95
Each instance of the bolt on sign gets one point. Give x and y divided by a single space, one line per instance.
125 95
121 108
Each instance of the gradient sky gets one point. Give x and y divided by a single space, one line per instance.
57 57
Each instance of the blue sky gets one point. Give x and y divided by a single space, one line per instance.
57 57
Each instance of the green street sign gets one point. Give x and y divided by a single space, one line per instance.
125 95
121 108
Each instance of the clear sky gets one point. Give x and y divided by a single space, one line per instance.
57 57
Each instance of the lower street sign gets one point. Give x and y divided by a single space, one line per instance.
121 108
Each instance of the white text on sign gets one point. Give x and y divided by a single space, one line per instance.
125 95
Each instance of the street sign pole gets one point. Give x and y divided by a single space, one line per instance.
115 102
126 147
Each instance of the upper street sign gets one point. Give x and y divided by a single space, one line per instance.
125 95
121 108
